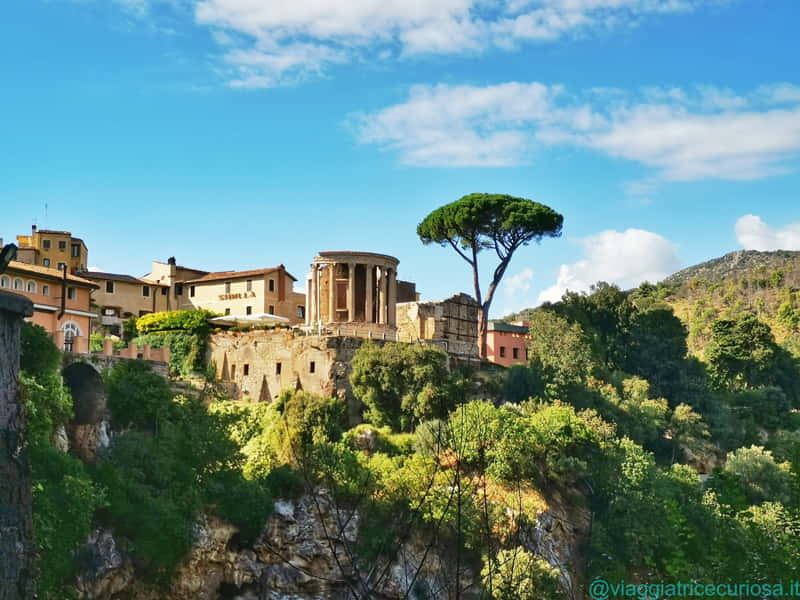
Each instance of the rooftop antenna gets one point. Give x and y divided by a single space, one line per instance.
45 212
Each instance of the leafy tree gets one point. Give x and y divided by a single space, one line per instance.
520 383
401 385
40 356
752 474
496 222
516 574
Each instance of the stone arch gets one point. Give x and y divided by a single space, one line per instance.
88 393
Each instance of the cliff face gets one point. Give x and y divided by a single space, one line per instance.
304 553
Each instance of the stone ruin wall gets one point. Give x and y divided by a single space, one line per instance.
451 324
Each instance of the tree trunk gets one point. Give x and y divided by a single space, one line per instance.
482 329
16 544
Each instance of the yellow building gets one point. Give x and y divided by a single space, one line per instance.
52 249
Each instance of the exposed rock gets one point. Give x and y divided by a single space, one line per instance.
60 439
104 571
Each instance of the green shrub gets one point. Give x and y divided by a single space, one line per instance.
136 395
401 385
191 321
64 502
40 356
186 349
48 404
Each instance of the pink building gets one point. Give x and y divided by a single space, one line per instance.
507 343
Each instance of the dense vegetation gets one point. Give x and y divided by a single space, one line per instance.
183 332
614 418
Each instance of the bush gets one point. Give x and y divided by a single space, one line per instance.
48 404
401 385
186 349
40 356
136 395
64 502
191 321
751 476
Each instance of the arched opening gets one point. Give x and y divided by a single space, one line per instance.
88 394
71 330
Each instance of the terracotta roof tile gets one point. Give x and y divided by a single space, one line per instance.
47 272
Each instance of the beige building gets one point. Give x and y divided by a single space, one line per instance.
244 293
451 324
120 297
52 249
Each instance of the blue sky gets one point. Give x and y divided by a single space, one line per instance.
241 134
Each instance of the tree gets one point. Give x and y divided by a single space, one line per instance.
496 222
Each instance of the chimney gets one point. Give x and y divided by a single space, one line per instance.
33 229
171 261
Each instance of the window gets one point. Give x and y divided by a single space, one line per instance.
31 287
62 245
277 368
191 291
109 287
76 250
71 293
248 310
163 291
146 291
312 367
71 331
46 244
233 371
502 351
227 287
18 284
61 266
271 285
45 290
246 370
515 352
301 312
271 309
179 289
4 282
249 285
227 311
45 262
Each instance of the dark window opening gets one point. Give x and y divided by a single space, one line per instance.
62 245
227 311
179 289
312 367
233 371
502 351
246 370
301 312
249 285
70 293
46 244
76 251
163 291
248 310
191 291
515 352
109 287
271 285
277 368
271 309
145 290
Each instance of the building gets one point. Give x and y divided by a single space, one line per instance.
353 290
243 293
61 302
120 297
451 324
52 249
507 343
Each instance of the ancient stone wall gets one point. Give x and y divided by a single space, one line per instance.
451 324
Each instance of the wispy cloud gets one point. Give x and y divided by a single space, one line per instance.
683 134
626 258
754 234
358 30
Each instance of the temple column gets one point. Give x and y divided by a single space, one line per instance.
384 288
351 292
332 293
311 308
370 288
391 281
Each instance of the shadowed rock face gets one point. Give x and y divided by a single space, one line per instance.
86 387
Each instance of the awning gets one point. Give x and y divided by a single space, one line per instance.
259 319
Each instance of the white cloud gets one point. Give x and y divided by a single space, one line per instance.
515 292
94 269
626 258
754 234
519 283
683 134
364 28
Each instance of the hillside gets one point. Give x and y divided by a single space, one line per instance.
765 283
